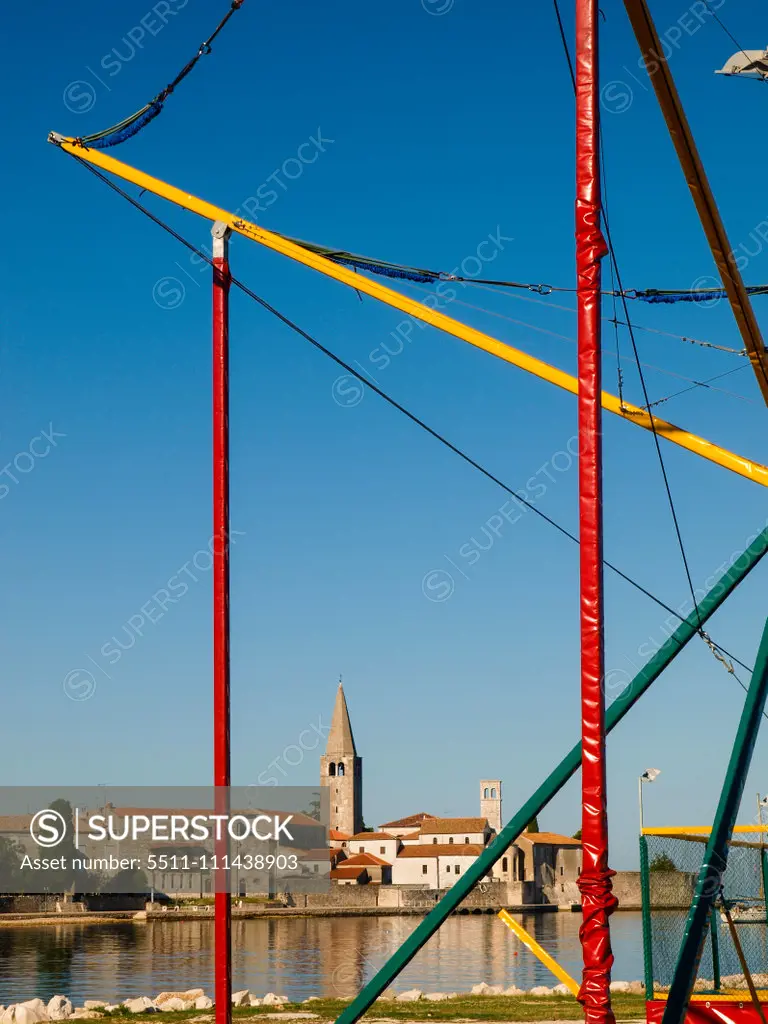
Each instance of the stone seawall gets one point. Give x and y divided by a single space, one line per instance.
626 888
488 896
670 890
375 900
39 903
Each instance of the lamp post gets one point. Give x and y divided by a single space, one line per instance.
747 64
762 801
649 775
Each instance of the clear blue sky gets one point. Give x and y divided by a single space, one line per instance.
446 128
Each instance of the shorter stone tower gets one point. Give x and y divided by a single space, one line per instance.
341 770
490 802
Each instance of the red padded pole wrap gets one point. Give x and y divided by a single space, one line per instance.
221 710
595 880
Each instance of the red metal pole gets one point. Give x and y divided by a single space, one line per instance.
595 880
221 713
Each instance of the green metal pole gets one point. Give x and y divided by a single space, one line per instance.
645 899
715 938
570 764
716 854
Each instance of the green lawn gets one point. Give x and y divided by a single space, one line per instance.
464 1007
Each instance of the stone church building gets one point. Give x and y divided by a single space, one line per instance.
426 851
341 770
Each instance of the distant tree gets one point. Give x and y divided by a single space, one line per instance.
63 879
11 855
533 825
313 811
127 881
662 862
69 878
577 835
64 808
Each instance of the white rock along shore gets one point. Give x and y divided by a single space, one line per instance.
35 1011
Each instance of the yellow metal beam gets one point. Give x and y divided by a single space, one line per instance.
702 840
528 940
734 995
681 135
634 414
700 830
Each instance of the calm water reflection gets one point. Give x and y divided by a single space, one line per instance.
296 957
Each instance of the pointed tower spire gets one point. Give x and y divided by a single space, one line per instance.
340 738
341 771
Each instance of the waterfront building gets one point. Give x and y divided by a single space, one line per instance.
338 840
379 870
406 827
381 844
452 831
433 866
427 851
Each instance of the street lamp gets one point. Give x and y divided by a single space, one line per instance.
761 803
649 775
747 64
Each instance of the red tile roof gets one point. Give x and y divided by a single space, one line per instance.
448 826
167 847
550 839
15 822
322 854
338 836
361 836
21 822
347 873
365 860
441 850
413 819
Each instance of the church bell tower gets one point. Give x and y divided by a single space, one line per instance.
341 770
490 802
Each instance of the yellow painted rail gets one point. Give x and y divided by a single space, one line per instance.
530 943
634 414
700 834
700 830
734 995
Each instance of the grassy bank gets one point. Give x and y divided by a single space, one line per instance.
463 1007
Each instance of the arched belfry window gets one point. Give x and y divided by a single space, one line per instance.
493 793
485 793
331 768
340 769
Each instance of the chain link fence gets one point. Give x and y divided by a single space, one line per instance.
669 868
